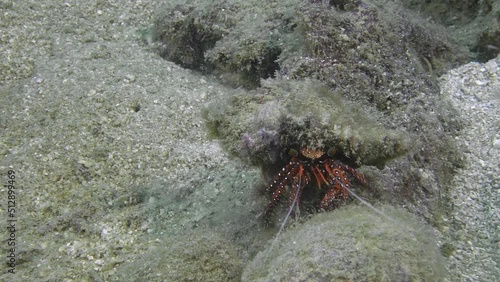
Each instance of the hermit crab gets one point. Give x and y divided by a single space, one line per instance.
308 166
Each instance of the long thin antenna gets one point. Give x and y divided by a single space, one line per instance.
283 224
295 200
380 212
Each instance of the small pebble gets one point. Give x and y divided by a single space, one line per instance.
496 143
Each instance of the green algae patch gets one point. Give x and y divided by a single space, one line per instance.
264 124
239 41
365 47
473 24
352 244
202 256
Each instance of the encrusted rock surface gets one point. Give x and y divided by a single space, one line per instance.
114 161
473 225
352 244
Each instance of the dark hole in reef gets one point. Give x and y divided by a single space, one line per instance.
199 42
344 5
449 12
136 108
488 46
262 69
186 43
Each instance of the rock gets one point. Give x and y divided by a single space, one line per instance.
352 244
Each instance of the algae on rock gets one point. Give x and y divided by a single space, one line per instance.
202 256
380 61
352 244
239 42
264 124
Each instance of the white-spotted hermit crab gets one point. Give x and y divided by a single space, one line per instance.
306 165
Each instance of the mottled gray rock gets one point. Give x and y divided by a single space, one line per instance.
473 224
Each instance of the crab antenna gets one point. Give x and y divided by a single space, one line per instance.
394 221
368 204
295 199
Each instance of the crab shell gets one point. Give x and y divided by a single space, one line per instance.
308 164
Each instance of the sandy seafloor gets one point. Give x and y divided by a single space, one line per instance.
112 158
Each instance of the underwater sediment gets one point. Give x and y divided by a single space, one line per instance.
119 179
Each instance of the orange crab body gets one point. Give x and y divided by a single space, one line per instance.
305 166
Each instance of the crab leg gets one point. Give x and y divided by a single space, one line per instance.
284 176
299 181
280 181
338 181
337 193
361 179
317 176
